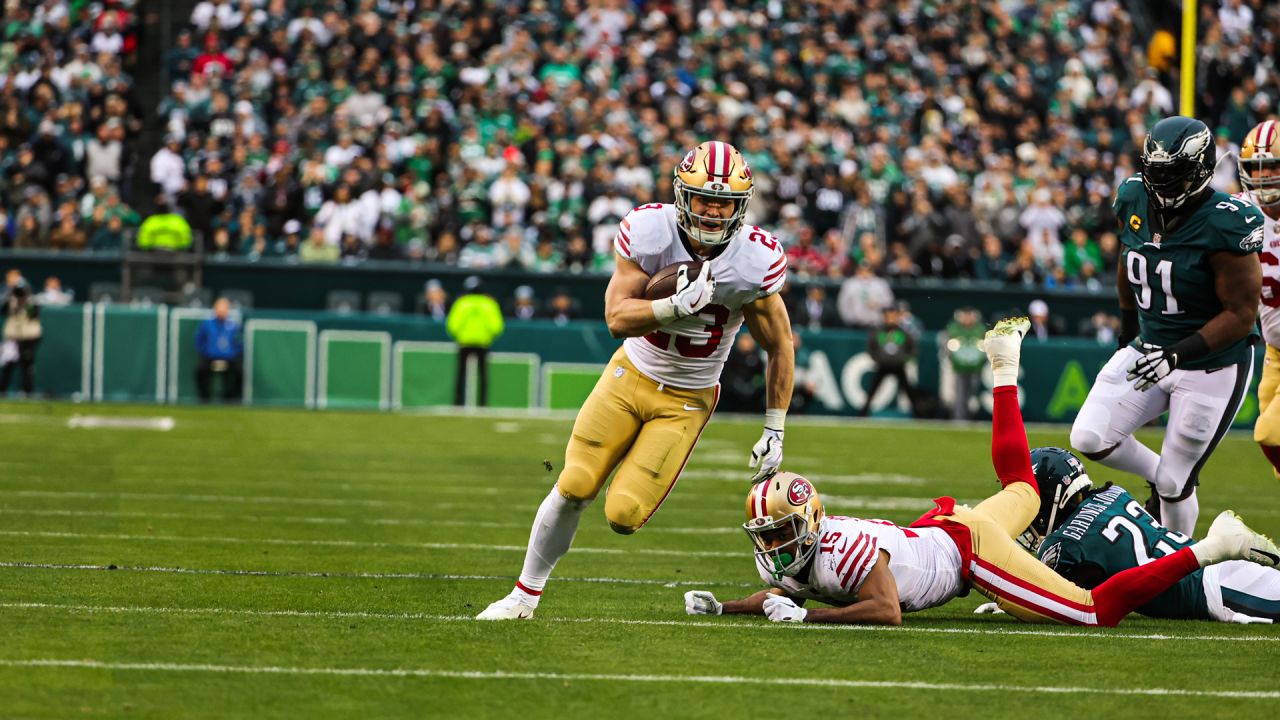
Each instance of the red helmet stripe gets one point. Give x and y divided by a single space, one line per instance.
711 159
764 511
1265 135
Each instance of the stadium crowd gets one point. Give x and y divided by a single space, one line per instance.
891 140
69 124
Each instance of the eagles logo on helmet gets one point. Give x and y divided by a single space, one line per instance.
1177 161
1063 485
1259 164
783 517
713 172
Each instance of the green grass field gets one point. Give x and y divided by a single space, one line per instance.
254 563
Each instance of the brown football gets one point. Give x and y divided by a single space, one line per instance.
662 284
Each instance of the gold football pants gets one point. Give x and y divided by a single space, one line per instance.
1266 431
1002 570
642 428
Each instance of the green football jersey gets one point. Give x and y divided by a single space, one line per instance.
1171 278
1111 532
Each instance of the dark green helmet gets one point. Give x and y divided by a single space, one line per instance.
1178 158
1063 486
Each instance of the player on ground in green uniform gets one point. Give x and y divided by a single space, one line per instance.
1088 535
1188 285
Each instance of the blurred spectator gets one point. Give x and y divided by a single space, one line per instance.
1082 251
804 259
22 333
53 294
891 347
68 235
168 171
742 380
523 306
474 322
967 358
220 347
1042 325
318 250
1042 221
1103 327
434 303
816 311
863 298
563 307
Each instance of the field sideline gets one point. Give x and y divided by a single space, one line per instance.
260 563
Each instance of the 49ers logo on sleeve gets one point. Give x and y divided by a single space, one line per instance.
799 492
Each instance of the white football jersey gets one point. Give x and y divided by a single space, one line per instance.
690 352
1269 310
925 563
1269 306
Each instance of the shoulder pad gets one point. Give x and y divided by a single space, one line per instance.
640 232
769 259
1239 224
1125 192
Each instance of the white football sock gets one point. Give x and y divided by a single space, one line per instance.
1180 516
553 529
1132 456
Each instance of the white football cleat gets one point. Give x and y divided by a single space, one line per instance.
511 607
1233 540
1003 345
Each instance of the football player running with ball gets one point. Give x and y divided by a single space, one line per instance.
1259 166
660 388
1188 284
1088 535
872 571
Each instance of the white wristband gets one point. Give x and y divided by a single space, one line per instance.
775 419
664 311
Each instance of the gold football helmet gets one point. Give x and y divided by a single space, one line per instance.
783 516
712 170
1259 163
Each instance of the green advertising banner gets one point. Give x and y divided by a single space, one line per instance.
280 362
355 369
64 360
129 362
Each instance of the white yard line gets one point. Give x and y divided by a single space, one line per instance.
103 422
310 520
601 677
357 543
747 625
19 565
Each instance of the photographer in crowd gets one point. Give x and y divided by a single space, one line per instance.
22 334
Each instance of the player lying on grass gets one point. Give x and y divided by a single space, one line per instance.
1090 535
872 571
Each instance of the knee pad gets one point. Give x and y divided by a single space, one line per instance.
1088 442
1267 430
1174 484
625 513
577 483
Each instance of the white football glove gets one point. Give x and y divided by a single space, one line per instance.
1155 365
780 608
988 609
690 295
701 602
1242 619
766 456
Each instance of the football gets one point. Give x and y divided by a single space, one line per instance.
663 283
